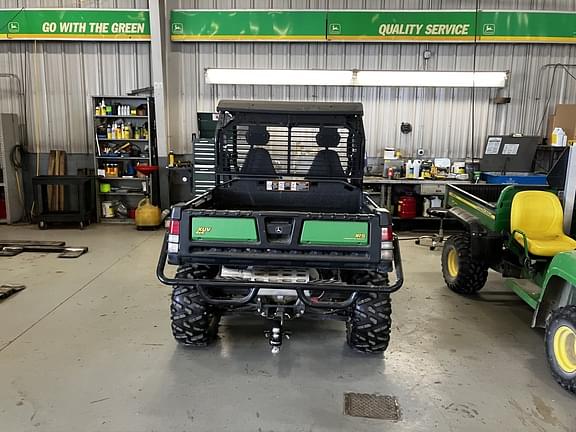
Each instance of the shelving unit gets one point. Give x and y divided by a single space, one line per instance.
124 139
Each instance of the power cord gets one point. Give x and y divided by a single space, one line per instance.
16 158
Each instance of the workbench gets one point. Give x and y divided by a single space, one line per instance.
424 187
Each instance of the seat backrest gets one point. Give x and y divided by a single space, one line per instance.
327 162
538 214
258 161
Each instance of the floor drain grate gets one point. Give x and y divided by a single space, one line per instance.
371 406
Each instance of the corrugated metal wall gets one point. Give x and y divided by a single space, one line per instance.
442 118
59 78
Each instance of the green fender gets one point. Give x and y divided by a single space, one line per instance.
558 288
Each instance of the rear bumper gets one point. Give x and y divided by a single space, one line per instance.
203 284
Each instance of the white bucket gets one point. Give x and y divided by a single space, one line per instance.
107 209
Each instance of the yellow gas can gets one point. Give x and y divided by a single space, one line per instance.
147 214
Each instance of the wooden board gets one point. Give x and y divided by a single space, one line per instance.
56 167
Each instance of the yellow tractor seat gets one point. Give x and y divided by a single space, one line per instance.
539 215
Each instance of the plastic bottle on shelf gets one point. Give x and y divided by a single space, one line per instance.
558 137
409 169
427 205
109 131
416 168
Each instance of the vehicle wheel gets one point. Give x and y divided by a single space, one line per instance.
462 273
561 346
369 323
194 322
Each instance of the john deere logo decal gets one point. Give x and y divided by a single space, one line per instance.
177 28
335 28
203 230
489 29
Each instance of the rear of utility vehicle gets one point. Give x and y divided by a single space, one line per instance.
287 232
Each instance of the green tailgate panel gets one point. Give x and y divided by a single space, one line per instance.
225 229
316 232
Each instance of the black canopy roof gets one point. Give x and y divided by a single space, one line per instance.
277 107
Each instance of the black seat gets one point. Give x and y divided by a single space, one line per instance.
327 162
258 161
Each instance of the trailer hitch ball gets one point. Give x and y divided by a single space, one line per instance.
276 336
276 339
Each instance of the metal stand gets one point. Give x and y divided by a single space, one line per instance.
436 240
77 205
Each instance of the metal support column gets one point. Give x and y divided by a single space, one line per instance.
570 191
158 33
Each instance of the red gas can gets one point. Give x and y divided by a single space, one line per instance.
407 207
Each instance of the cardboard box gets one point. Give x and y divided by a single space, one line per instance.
564 117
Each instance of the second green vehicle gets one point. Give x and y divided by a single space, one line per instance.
521 233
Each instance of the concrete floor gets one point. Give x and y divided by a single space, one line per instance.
87 347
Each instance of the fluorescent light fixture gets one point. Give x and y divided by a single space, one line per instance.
356 78
430 79
278 77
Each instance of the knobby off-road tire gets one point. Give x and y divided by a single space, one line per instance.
561 346
462 273
370 320
194 322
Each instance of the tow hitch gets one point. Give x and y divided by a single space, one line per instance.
277 334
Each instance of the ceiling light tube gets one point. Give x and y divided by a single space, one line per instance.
430 79
356 78
279 77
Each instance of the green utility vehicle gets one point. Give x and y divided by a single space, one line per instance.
518 232
287 231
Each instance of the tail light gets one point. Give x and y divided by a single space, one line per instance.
387 234
174 228
174 236
386 245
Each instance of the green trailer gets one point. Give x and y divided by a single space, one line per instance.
517 231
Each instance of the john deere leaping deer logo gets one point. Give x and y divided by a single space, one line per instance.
203 230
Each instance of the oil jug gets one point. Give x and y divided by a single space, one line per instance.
147 215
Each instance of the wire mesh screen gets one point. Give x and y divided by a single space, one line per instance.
291 149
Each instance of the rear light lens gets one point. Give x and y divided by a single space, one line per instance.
174 236
386 246
174 228
387 234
